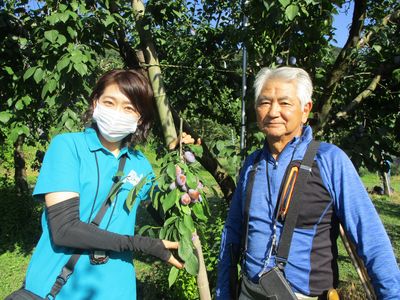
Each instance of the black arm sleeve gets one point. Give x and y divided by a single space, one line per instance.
68 230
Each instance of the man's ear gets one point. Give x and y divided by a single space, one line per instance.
306 112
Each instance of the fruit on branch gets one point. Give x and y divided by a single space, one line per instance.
194 195
189 157
185 199
181 180
178 170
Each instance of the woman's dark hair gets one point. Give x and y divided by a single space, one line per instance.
136 87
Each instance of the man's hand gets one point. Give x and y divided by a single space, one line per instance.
186 139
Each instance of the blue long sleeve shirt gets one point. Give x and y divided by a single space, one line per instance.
333 194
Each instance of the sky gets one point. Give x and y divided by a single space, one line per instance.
342 22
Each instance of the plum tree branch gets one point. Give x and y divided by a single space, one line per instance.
383 71
341 64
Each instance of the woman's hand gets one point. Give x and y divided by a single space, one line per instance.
172 260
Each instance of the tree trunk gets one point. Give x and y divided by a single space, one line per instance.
167 114
154 72
324 104
166 119
202 279
386 184
20 178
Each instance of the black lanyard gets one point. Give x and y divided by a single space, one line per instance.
68 268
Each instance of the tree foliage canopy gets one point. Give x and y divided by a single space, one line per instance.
52 52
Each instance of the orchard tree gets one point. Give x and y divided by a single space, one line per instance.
53 51
51 55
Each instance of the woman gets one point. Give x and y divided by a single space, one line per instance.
77 174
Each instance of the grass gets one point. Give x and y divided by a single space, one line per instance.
20 230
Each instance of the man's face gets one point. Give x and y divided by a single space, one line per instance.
279 112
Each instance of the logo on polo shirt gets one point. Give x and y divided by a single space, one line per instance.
133 178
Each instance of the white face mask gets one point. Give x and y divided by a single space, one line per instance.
114 125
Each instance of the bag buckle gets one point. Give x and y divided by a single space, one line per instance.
280 262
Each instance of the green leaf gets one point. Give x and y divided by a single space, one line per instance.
50 100
196 149
45 89
396 75
162 233
17 131
143 229
170 220
305 11
19 105
51 35
81 68
52 85
173 275
62 7
291 11
187 219
184 231
199 212
9 70
115 190
185 249
155 196
220 145
72 32
69 124
191 180
74 5
28 73
284 3
109 20
23 41
5 116
61 40
53 18
192 265
38 76
133 193
27 100
171 171
377 48
170 233
170 199
186 209
63 63
64 16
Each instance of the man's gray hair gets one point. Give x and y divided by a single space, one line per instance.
301 77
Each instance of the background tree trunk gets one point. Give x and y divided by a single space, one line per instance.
20 178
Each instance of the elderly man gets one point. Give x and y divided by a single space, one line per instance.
333 193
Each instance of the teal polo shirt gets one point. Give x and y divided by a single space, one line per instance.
70 166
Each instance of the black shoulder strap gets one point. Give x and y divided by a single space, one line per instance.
249 190
68 268
293 212
97 219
